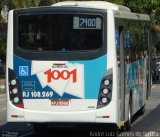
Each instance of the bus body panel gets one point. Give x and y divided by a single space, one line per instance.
112 62
35 84
29 75
92 116
140 84
135 70
14 114
9 62
47 105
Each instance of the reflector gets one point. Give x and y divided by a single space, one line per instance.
105 91
104 100
106 82
20 105
13 82
16 100
15 91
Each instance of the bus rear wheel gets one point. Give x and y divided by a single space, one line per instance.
129 121
142 110
127 126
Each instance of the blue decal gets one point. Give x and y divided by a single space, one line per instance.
124 40
28 85
23 70
117 39
128 40
94 71
31 88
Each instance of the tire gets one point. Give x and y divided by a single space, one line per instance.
142 110
127 126
129 121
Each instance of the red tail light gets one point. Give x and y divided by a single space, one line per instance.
20 105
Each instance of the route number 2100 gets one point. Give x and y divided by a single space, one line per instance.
87 22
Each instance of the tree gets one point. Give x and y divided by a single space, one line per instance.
142 6
32 3
115 1
152 8
2 3
24 3
46 2
3 31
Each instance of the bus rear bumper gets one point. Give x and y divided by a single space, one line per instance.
99 116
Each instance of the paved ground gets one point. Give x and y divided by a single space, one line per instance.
150 121
2 85
2 109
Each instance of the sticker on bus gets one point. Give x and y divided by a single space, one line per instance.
23 70
61 76
86 23
58 102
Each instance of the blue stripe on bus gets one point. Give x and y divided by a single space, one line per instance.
94 71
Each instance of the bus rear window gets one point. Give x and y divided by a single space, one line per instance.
60 32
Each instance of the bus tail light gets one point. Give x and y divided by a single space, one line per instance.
105 92
14 90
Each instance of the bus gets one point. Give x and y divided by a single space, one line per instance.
77 62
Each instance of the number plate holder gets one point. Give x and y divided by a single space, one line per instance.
59 102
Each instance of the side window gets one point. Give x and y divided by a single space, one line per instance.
138 40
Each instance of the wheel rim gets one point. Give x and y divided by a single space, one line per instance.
129 115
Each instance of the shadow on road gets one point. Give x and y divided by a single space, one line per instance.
76 132
14 129
150 122
23 130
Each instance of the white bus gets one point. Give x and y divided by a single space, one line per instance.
78 63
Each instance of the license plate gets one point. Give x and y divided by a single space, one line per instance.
60 102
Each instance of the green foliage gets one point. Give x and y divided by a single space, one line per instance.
25 3
115 1
142 6
2 47
2 3
152 8
2 31
32 3
46 2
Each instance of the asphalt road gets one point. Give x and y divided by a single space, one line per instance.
151 119
147 125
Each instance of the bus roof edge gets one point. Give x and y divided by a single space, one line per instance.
93 4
